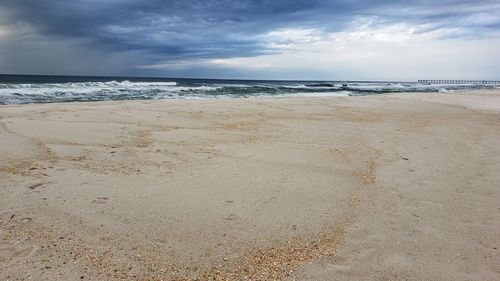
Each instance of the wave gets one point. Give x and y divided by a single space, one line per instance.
22 93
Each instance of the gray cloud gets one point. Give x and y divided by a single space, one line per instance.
119 36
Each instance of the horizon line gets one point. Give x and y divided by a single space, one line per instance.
241 79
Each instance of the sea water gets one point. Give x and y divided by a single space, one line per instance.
24 89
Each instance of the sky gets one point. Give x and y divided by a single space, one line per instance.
253 39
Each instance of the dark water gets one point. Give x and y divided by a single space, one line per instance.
23 89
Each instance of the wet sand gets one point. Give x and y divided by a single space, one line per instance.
386 187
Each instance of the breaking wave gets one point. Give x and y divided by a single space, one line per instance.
23 93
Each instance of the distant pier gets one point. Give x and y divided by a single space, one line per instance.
459 82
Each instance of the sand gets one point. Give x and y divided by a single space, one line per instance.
386 187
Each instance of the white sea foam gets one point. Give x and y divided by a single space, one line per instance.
188 89
318 94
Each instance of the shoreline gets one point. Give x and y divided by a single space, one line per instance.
311 188
144 91
467 92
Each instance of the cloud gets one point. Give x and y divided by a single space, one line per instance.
220 38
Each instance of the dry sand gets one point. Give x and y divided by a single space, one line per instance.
387 187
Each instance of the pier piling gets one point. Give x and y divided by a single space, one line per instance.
480 82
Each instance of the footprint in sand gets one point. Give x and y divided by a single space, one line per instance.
36 185
100 200
230 217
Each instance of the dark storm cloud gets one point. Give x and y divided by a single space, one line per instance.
152 31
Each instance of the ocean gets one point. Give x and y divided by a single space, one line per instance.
25 89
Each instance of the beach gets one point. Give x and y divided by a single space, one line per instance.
401 186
